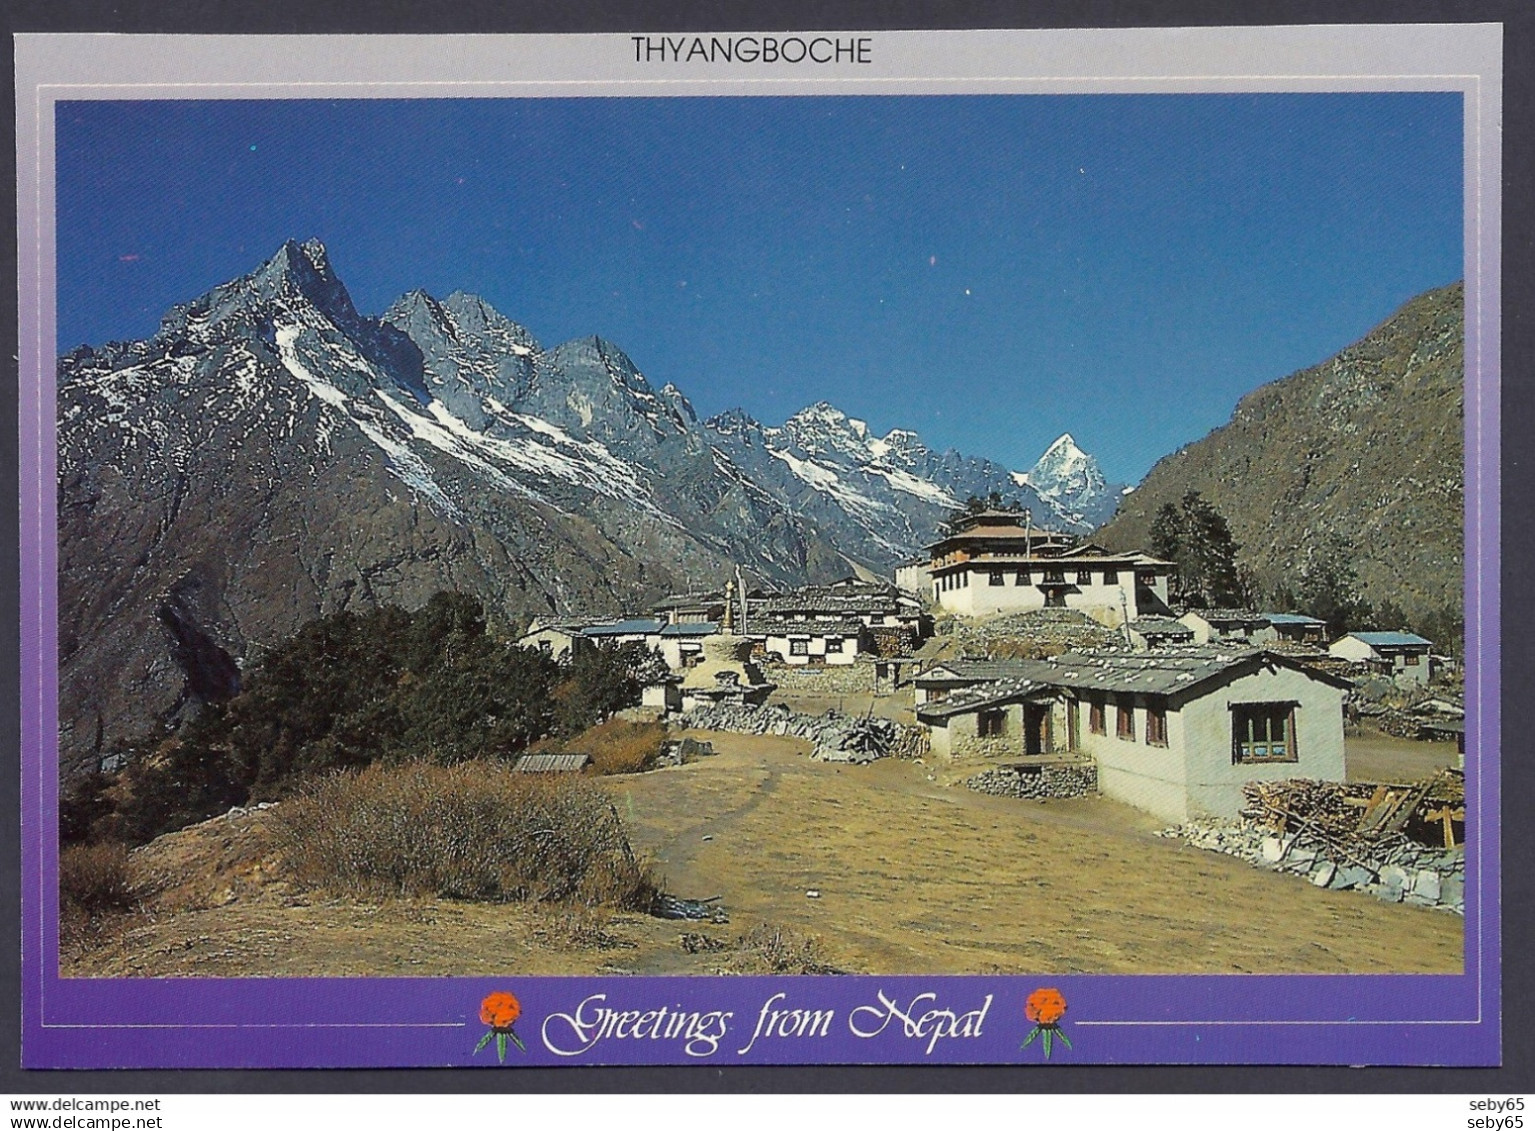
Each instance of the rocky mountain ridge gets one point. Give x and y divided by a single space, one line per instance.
1362 455
271 455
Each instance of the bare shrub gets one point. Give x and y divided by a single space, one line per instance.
575 926
617 746
472 831
96 879
766 949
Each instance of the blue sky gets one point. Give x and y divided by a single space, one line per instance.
990 271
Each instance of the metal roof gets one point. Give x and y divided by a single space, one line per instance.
1390 639
1290 618
551 763
624 628
691 628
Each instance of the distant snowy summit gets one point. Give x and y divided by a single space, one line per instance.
271 453
1073 483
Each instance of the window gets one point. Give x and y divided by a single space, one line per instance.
799 647
1095 721
1055 577
1084 577
546 647
1022 578
1124 723
992 724
995 578
1410 659
1156 724
834 644
1263 732
1111 577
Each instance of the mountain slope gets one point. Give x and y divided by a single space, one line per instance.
1367 447
271 455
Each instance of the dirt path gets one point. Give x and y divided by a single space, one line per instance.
912 875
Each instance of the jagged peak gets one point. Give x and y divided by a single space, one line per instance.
821 410
733 419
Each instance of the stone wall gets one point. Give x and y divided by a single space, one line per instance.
1395 870
846 679
834 737
1068 779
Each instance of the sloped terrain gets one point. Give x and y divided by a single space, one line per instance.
272 455
1365 450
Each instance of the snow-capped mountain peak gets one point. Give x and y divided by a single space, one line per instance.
1071 481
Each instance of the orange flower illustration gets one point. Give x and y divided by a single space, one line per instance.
1045 1007
500 1011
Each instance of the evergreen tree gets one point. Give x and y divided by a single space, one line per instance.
1196 539
1328 587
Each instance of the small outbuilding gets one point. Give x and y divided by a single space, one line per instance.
1403 656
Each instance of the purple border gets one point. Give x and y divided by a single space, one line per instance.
1146 1019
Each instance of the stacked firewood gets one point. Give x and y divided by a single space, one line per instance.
1346 814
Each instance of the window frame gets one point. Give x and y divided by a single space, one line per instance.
996 577
1097 716
1124 719
799 647
1244 738
991 723
1156 724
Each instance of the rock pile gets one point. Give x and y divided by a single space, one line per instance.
683 751
1395 870
835 737
1036 634
1071 780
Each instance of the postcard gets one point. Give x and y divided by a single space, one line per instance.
777 548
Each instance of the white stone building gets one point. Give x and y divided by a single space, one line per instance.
1175 734
993 563
1403 656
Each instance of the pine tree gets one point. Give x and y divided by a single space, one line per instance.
1196 539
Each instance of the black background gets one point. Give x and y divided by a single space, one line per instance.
507 16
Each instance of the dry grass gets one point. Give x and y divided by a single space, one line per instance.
765 949
98 885
617 746
97 878
474 831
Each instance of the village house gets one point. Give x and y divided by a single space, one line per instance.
681 644
1176 734
1297 628
894 621
1149 633
1228 626
556 639
995 562
691 608
942 679
829 640
1403 656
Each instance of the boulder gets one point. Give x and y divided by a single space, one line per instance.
1426 884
